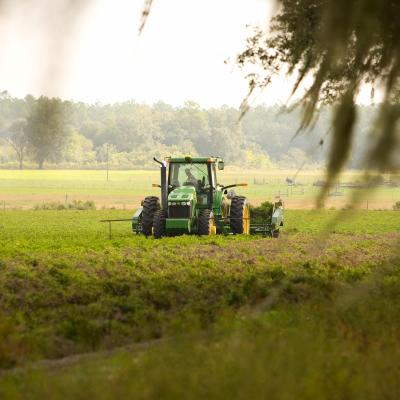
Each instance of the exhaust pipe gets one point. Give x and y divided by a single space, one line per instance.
164 189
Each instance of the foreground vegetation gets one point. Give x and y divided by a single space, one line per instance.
345 345
235 309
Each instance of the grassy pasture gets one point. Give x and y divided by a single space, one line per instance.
125 189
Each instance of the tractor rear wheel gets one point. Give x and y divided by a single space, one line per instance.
150 205
239 218
159 224
206 224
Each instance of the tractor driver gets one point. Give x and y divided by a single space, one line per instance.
190 177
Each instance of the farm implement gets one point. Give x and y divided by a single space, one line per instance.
192 201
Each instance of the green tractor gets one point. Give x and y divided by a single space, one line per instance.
194 202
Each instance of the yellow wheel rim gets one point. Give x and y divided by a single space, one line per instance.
213 228
246 221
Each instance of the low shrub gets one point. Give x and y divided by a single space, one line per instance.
74 205
396 206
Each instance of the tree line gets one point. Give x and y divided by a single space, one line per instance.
56 133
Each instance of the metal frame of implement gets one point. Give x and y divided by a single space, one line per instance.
264 228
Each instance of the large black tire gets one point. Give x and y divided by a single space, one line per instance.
150 205
239 220
159 223
206 223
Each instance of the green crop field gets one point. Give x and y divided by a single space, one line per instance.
125 189
313 314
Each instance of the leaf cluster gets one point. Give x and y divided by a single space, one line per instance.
338 46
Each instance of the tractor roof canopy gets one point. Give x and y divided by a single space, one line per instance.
197 160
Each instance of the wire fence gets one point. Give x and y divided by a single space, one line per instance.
297 195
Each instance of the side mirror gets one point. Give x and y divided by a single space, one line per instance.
220 165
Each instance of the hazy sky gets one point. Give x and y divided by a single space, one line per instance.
100 57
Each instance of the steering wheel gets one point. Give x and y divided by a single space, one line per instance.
188 183
205 189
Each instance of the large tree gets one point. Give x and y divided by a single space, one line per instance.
339 45
46 129
18 139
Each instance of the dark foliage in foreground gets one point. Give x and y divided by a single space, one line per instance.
340 45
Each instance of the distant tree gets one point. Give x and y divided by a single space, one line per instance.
257 160
18 140
193 126
294 158
338 45
226 136
78 149
139 130
106 153
46 129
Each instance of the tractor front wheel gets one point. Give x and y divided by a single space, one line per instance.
239 218
150 205
159 224
275 233
206 225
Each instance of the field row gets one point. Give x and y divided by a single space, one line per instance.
31 232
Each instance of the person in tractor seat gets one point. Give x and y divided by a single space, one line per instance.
191 179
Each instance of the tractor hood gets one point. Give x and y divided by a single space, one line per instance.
185 193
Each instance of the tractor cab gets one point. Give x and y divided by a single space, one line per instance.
193 177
